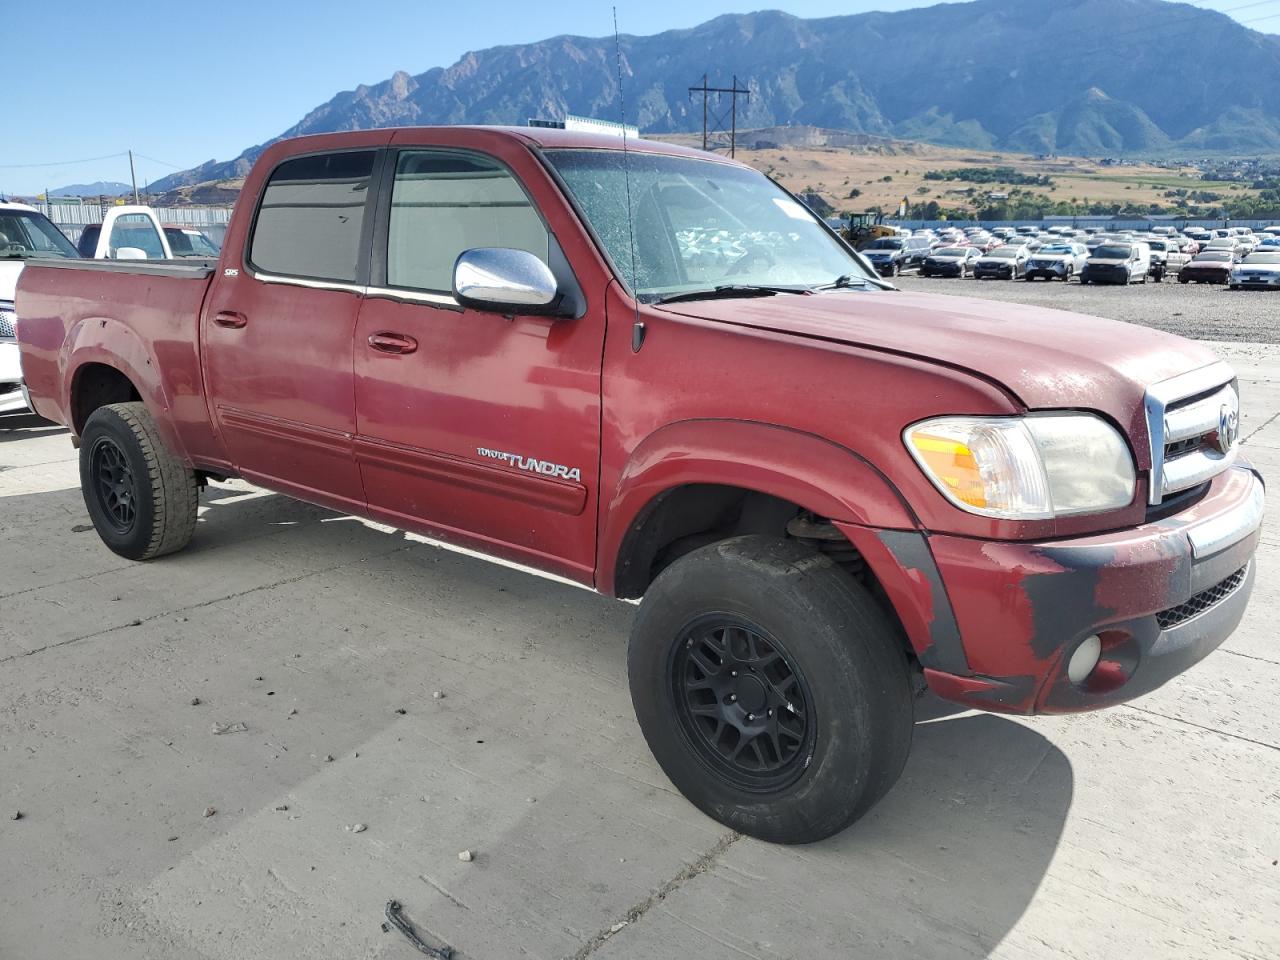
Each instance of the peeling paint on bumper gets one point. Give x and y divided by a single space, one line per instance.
1022 609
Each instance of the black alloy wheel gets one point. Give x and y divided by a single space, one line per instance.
742 702
113 484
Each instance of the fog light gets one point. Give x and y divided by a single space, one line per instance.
1084 659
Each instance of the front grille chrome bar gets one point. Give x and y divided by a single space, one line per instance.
1170 421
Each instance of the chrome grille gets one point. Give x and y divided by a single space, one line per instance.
8 322
1193 420
1205 600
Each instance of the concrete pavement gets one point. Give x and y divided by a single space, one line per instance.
1148 831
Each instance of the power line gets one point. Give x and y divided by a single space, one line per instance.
61 163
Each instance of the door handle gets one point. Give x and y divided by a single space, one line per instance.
394 343
230 319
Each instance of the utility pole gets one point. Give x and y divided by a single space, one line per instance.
133 177
707 128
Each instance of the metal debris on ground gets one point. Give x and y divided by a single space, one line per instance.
16 815
396 918
236 727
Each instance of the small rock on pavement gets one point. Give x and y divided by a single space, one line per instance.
209 811
466 856
282 806
16 815
236 727
616 927
438 695
195 701
328 758
358 827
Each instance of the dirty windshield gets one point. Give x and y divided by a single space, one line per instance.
25 234
699 225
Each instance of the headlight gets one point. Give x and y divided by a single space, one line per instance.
1025 468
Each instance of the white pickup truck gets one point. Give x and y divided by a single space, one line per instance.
136 233
25 234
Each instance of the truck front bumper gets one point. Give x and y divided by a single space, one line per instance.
1152 600
12 395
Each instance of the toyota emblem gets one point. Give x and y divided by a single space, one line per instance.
1228 428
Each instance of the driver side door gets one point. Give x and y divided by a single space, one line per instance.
474 427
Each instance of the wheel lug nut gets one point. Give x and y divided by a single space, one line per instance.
751 716
771 713
733 698
733 673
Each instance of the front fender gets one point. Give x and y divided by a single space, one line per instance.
114 344
823 477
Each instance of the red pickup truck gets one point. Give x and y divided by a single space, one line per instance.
654 372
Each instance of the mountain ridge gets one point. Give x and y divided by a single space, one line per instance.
1043 76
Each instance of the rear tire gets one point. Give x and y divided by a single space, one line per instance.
141 498
800 639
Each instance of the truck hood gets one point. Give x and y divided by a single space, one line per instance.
1046 358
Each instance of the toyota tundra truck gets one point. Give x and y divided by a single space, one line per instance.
654 372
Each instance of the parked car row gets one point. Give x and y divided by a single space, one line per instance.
1233 256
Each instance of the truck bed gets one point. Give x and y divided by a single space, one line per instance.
141 317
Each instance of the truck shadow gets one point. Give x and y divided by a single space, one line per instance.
944 867
24 426
948 861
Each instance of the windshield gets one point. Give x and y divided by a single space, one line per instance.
25 234
189 243
951 252
1113 252
1005 253
699 224
886 243
1056 248
1217 256
1263 258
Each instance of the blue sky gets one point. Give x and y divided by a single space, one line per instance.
205 85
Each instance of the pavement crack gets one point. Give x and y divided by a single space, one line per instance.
442 891
1201 726
691 870
1257 430
197 606
1250 656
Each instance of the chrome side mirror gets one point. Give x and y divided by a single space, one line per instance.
502 280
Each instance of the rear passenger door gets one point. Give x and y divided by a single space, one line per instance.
473 426
277 332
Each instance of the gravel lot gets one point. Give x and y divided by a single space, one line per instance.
1192 310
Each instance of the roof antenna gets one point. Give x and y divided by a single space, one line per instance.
637 328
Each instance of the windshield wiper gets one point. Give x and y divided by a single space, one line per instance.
729 290
844 280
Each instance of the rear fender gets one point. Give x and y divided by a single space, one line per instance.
114 344
820 476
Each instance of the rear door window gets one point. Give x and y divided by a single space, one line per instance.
311 216
444 203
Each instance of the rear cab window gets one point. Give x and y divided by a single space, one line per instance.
311 217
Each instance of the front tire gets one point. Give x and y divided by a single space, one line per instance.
772 689
141 498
